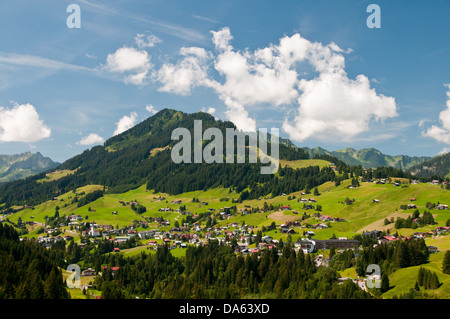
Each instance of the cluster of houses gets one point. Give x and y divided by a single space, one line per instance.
287 228
388 239
89 272
306 245
47 242
306 200
436 182
325 219
266 243
180 236
195 234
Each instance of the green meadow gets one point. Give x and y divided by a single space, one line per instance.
362 215
304 163
56 175
404 279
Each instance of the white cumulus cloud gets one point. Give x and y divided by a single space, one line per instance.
333 105
125 123
144 40
222 39
91 139
137 79
135 63
441 133
190 72
127 59
21 123
328 101
150 108
309 77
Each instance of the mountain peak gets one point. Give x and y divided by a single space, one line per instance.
18 166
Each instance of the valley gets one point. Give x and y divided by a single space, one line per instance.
249 218
126 206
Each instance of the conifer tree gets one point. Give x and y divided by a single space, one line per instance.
332 252
420 276
37 288
53 288
384 282
434 281
446 263
402 258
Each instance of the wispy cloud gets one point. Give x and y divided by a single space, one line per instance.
176 30
204 18
38 62
387 131
91 56
17 69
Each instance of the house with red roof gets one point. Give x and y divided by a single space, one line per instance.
387 239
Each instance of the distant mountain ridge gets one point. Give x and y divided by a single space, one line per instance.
370 158
18 166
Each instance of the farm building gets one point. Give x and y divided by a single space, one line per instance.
88 272
336 243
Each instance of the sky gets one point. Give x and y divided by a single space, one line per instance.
73 76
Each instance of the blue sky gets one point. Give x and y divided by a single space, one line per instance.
311 68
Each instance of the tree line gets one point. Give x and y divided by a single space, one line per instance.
390 257
214 271
28 271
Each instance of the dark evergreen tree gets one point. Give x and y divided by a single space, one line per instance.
28 270
446 263
384 282
316 192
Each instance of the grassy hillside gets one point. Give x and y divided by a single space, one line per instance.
304 163
362 215
56 175
404 279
